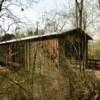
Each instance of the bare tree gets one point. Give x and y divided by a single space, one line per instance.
79 13
82 15
6 13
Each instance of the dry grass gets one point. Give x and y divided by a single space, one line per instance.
65 84
49 82
97 73
94 50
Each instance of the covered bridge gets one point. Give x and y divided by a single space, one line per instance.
45 49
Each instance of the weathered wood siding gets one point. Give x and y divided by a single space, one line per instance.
13 54
32 54
82 44
3 52
45 51
44 55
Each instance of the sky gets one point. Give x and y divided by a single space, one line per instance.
35 10
32 13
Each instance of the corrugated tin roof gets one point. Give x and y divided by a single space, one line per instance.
39 36
30 37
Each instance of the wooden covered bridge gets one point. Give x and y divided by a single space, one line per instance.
45 49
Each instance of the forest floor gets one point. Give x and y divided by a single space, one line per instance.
54 84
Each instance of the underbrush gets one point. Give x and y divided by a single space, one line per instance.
62 83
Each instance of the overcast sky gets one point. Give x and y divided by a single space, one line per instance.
33 13
36 10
